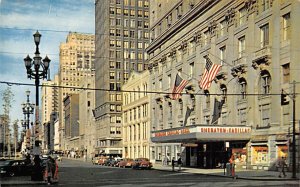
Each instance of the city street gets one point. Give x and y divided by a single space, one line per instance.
79 173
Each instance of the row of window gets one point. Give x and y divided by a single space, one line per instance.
128 23
140 3
136 113
140 55
136 94
127 12
136 132
126 44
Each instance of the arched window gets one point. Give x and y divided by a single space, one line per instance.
243 88
265 82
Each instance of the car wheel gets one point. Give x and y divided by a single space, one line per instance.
11 174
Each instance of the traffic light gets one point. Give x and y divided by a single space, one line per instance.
284 98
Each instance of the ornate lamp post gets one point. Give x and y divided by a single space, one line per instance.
28 109
37 69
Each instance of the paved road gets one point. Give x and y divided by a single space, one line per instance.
77 173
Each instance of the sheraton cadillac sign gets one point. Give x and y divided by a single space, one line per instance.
199 132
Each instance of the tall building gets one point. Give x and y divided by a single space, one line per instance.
136 117
49 105
241 113
121 37
87 128
76 64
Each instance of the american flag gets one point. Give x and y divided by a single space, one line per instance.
178 87
209 74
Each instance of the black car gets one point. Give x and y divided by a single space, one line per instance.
15 167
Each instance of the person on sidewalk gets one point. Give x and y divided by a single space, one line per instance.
281 165
179 162
173 163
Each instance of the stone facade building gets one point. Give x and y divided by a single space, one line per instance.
121 37
76 63
136 117
256 44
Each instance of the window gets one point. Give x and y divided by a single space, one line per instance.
112 32
131 34
265 5
132 23
118 65
146 3
265 82
126 2
179 11
118 32
111 97
140 24
140 3
265 115
243 88
264 35
140 13
126 12
132 55
180 107
118 130
242 46
112 43
132 2
170 110
286 27
112 75
118 43
112 10
146 35
126 23
112 130
111 86
119 97
112 107
140 67
191 74
146 14
224 92
119 108
146 24
222 54
169 81
112 22
242 116
286 73
125 33
118 86
132 13
118 11
140 55
132 44
222 28
118 22
242 15
207 99
206 37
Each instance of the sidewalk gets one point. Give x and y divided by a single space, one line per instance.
239 174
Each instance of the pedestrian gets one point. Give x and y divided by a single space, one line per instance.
179 162
173 163
50 170
281 165
165 161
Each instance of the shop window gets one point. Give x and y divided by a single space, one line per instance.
259 155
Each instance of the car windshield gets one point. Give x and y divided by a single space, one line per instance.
5 163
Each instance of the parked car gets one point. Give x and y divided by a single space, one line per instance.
110 162
142 163
126 162
102 160
95 160
15 167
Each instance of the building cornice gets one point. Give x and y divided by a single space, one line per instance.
196 12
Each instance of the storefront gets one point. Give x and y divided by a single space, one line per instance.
207 146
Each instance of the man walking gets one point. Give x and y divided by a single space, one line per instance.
281 165
173 163
179 162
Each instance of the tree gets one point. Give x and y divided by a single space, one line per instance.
7 98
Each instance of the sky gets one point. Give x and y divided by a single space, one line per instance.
19 20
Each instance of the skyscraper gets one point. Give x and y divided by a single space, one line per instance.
76 63
121 37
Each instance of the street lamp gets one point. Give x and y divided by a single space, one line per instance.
28 109
37 69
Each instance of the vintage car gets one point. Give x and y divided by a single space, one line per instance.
126 162
142 163
15 167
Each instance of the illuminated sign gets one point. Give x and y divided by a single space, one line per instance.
225 129
172 132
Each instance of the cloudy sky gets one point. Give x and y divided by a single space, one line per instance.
19 20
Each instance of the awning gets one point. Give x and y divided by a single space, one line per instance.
198 133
